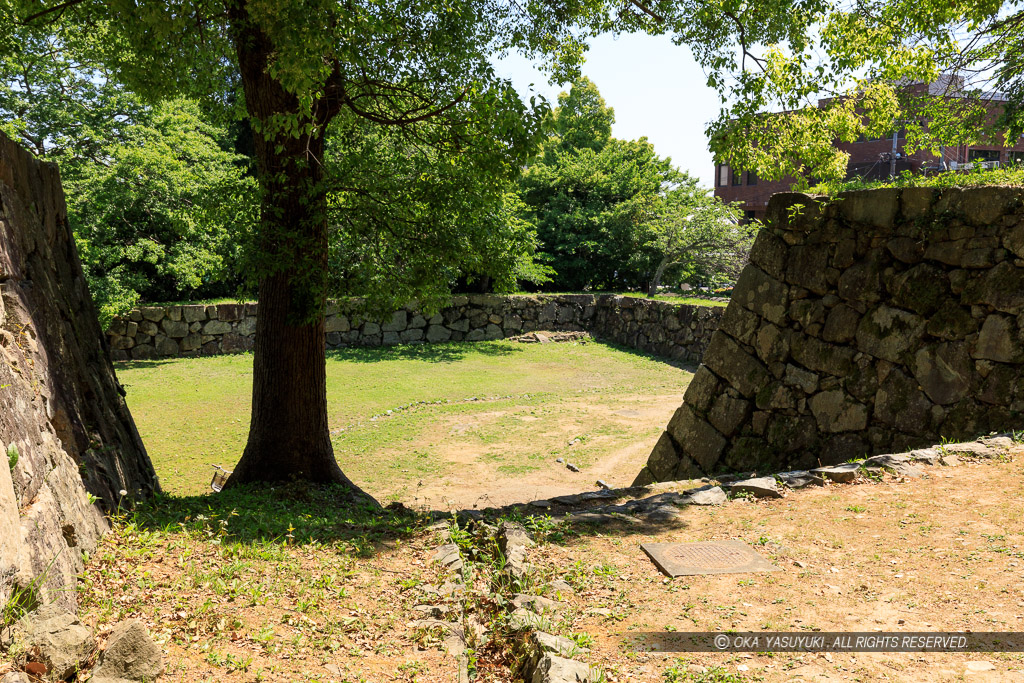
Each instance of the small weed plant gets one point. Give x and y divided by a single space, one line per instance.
682 673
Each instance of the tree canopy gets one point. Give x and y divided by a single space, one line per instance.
163 214
699 237
946 73
611 214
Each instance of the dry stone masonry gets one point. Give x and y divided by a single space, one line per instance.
876 322
675 331
67 440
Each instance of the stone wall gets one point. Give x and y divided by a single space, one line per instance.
64 425
674 331
877 322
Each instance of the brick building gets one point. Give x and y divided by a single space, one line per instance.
875 159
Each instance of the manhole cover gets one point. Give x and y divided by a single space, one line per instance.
707 557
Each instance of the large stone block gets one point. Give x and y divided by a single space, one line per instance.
729 360
841 324
816 355
807 266
922 289
664 459
835 411
769 253
194 314
216 327
945 371
703 389
230 312
1002 288
741 323
152 313
863 280
728 413
397 323
438 333
873 208
887 332
696 438
901 404
762 294
1000 340
175 328
165 346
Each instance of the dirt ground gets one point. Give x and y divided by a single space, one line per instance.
478 482
940 553
934 554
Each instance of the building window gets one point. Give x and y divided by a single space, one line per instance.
749 215
737 177
983 155
751 178
1015 157
723 175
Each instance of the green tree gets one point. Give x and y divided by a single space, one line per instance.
162 214
299 64
415 209
697 232
582 120
57 99
948 73
593 198
159 210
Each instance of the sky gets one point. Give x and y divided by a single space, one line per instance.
656 89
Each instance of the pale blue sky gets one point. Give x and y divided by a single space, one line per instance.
656 89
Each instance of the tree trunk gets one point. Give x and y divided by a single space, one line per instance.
656 280
289 437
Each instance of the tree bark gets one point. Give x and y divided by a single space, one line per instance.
289 438
656 280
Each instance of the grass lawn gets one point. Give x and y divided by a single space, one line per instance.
465 424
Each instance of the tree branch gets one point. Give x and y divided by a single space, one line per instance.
56 8
647 10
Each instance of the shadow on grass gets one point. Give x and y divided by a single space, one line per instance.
294 513
158 362
448 352
690 366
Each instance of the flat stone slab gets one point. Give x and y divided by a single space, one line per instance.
759 487
706 557
705 495
797 479
448 555
841 474
901 464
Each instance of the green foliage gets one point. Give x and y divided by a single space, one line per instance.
159 209
582 119
681 672
12 456
699 237
611 214
165 214
417 210
1007 176
57 99
592 197
949 74
20 602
